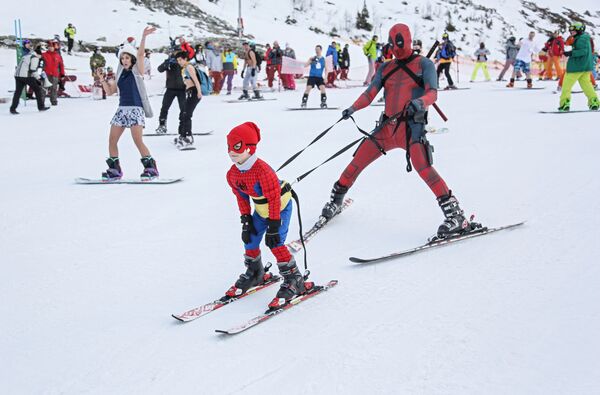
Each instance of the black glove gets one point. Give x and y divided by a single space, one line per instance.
242 75
253 72
347 113
568 53
414 106
247 228
272 238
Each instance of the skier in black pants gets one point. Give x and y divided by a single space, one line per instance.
193 95
28 73
443 58
175 89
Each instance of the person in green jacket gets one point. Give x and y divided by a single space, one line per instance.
97 60
70 36
579 68
370 51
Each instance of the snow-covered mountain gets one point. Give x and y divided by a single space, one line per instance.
304 23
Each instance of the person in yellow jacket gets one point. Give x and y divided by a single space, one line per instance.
230 64
481 62
370 51
70 32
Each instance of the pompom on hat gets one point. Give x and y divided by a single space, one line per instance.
243 137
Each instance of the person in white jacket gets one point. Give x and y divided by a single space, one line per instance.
28 73
523 60
215 65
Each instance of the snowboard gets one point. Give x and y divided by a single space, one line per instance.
249 100
90 181
449 90
567 112
177 134
311 108
522 88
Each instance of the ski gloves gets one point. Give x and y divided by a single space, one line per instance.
415 111
347 113
272 238
247 228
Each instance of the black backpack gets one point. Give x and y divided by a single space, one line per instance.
259 58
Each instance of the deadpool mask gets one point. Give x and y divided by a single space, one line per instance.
400 40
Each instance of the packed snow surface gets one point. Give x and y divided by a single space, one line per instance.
91 274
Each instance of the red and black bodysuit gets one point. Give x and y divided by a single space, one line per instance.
401 93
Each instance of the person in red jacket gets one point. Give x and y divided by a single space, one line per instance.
555 49
54 69
251 178
185 46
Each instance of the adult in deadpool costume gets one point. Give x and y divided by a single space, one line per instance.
402 125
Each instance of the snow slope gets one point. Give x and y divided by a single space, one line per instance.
91 274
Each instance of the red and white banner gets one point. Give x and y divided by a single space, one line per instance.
292 66
329 63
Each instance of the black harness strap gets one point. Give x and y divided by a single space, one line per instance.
346 148
297 200
369 136
323 133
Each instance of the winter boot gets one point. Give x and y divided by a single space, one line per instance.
333 206
293 284
455 221
565 106
187 141
150 170
529 83
323 100
511 83
255 275
244 95
178 141
257 95
304 100
161 129
594 104
114 170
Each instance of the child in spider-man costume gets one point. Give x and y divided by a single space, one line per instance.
410 96
250 178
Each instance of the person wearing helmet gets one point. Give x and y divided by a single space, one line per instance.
511 49
134 107
579 68
410 83
28 73
444 57
417 46
25 47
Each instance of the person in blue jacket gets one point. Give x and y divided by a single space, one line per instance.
332 50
